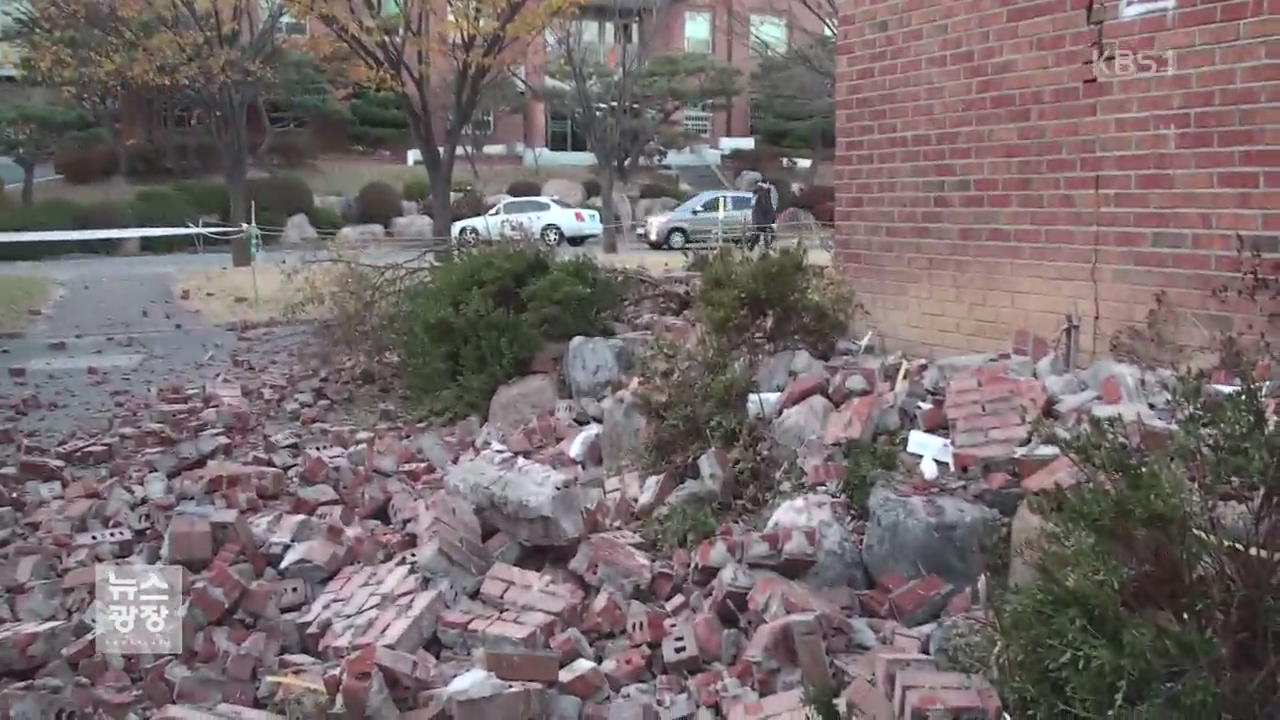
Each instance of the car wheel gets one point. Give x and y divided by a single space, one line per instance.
677 239
551 236
575 242
469 236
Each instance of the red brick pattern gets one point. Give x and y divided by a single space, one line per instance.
991 413
991 174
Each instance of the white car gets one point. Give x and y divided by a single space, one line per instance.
548 219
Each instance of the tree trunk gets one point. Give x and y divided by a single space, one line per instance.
268 134
441 207
608 213
28 184
236 176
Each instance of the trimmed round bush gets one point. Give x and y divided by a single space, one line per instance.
377 203
592 186
653 191
206 197
144 160
162 207
468 205
417 190
524 188
279 197
106 215
81 165
322 218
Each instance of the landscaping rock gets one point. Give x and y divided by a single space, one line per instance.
774 372
298 231
533 503
1025 531
625 428
593 364
800 423
361 234
912 535
412 227
570 191
839 562
648 207
521 401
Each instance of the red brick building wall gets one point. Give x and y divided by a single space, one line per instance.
992 174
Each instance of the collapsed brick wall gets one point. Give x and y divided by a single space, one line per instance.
992 174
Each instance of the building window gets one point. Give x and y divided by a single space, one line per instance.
768 34
697 31
1133 8
697 121
563 133
291 26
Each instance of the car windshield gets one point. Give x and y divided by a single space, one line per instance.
561 203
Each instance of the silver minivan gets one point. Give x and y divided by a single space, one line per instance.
709 217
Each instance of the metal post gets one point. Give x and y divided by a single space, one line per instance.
253 248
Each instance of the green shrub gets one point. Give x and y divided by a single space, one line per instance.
1147 603
653 191
684 526
378 202
145 161
376 138
47 215
279 197
571 299
524 188
4 199
107 214
478 321
323 218
163 207
206 197
417 190
592 186
776 300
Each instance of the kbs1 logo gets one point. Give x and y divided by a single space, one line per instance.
1116 62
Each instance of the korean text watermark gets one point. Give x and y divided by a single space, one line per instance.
138 609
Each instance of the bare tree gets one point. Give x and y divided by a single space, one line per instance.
621 95
440 57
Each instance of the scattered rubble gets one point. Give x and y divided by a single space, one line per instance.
494 569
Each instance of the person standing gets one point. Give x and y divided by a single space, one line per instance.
763 216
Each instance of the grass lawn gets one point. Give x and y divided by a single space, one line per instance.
227 294
18 295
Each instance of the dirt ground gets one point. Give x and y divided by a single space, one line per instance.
19 295
251 294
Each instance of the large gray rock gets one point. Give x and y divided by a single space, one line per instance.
521 401
1025 533
532 503
802 422
570 191
774 371
915 535
412 227
593 364
839 562
298 231
361 234
625 430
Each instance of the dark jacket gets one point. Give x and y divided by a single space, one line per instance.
762 210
